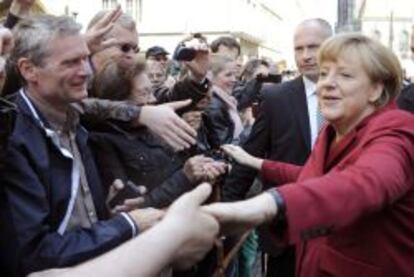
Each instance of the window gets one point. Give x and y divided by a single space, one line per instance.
404 44
140 10
129 7
105 4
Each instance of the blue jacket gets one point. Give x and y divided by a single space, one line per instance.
34 195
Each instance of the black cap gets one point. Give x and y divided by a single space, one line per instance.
156 50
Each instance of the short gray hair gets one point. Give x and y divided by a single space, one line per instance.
323 24
32 36
124 20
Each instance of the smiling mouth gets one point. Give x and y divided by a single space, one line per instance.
330 98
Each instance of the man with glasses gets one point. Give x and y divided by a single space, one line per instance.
121 43
125 37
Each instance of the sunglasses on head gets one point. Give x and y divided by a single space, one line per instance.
128 47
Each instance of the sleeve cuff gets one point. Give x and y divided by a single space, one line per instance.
134 227
279 224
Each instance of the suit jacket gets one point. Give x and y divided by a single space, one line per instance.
281 132
406 99
34 194
351 208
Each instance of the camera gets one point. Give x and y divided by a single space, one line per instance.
183 53
270 78
187 49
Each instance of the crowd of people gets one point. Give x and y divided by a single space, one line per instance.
115 163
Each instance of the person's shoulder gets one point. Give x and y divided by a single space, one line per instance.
392 119
282 89
216 103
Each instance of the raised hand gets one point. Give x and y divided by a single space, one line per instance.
95 35
21 8
164 122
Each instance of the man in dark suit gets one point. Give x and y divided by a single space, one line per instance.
406 99
285 129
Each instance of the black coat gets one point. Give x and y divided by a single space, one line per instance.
406 99
138 156
220 126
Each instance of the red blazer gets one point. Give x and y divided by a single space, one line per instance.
350 208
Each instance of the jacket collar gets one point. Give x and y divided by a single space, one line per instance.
27 109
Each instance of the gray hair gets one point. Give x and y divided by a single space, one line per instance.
124 20
322 23
32 36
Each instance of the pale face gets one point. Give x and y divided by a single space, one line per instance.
226 79
63 77
156 73
161 58
307 40
232 53
142 93
346 93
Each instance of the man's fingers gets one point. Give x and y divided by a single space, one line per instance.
142 190
172 138
109 43
222 212
134 202
109 17
199 195
187 128
181 131
118 184
179 104
102 31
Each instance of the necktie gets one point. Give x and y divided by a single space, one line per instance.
320 120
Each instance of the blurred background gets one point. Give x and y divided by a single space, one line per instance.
263 27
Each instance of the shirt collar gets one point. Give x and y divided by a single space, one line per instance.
58 121
310 86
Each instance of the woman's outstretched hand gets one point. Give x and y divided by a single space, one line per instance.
242 157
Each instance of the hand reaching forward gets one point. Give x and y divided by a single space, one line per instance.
164 122
242 157
195 229
238 217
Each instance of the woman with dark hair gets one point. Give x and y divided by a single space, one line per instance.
131 153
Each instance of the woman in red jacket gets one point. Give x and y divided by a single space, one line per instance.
350 208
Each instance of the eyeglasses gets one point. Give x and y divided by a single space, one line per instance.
128 47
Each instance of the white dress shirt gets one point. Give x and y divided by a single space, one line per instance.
313 106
